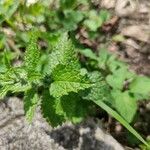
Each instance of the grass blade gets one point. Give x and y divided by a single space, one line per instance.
121 120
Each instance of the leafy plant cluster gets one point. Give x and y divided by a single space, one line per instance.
127 88
51 77
47 15
65 91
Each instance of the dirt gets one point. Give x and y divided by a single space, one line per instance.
136 48
16 133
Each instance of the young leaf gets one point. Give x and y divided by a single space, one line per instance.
63 54
125 104
30 103
32 56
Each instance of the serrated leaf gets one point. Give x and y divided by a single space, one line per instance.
63 53
48 107
8 77
4 90
125 104
140 85
100 89
75 109
20 87
60 88
13 80
32 56
66 80
68 73
7 61
30 103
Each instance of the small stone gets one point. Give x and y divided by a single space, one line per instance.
126 8
108 4
148 106
138 32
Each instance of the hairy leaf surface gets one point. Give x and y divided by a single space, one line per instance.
100 89
75 109
63 54
32 56
48 107
66 80
30 103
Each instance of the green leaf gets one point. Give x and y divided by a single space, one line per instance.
89 54
103 57
67 4
32 56
140 85
75 109
49 112
100 89
30 103
113 63
7 77
66 80
71 20
4 90
96 20
105 15
7 9
13 80
125 104
63 53
60 88
118 78
20 87
7 61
